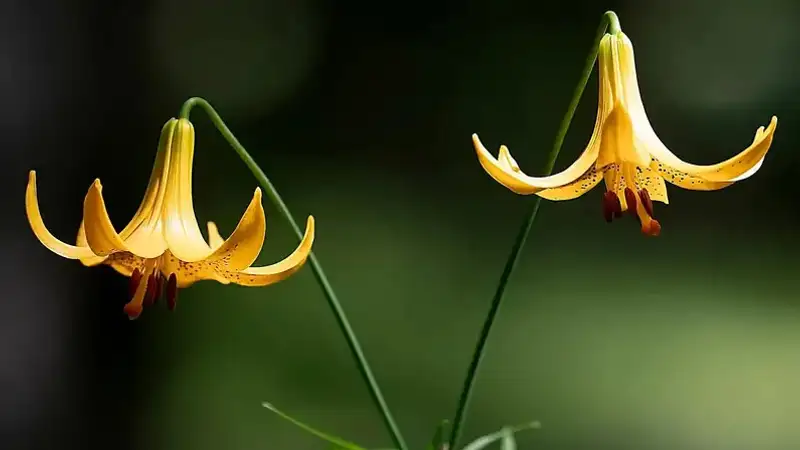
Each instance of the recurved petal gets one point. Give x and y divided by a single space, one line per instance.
685 180
732 169
262 276
125 263
736 168
582 185
244 245
81 242
505 171
188 273
100 233
40 230
214 238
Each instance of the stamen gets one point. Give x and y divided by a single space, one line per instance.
136 277
611 206
172 291
653 228
630 199
647 203
150 295
159 286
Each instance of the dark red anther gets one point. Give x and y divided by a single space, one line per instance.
611 206
647 203
136 277
630 198
172 291
151 292
158 287
654 229
133 311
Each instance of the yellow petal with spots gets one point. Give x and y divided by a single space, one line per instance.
125 263
685 180
244 244
733 169
506 172
582 185
188 273
647 178
262 276
42 233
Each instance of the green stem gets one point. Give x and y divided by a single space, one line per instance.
333 302
609 20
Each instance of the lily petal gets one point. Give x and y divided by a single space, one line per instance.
40 230
229 256
647 178
125 263
81 242
733 169
262 276
506 172
685 180
188 273
181 230
214 238
101 235
244 244
582 185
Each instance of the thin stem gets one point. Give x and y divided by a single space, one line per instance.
609 19
333 301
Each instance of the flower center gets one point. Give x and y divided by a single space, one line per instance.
148 285
637 202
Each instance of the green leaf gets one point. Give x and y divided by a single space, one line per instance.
506 434
507 441
339 443
438 441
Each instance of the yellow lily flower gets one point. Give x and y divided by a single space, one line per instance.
625 152
163 244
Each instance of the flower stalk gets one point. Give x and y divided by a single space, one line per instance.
610 22
319 274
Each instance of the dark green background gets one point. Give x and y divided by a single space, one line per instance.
361 113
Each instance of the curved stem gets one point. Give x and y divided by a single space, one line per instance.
330 295
609 20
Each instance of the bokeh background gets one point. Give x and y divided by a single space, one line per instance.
361 113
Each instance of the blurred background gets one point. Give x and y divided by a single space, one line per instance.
361 113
